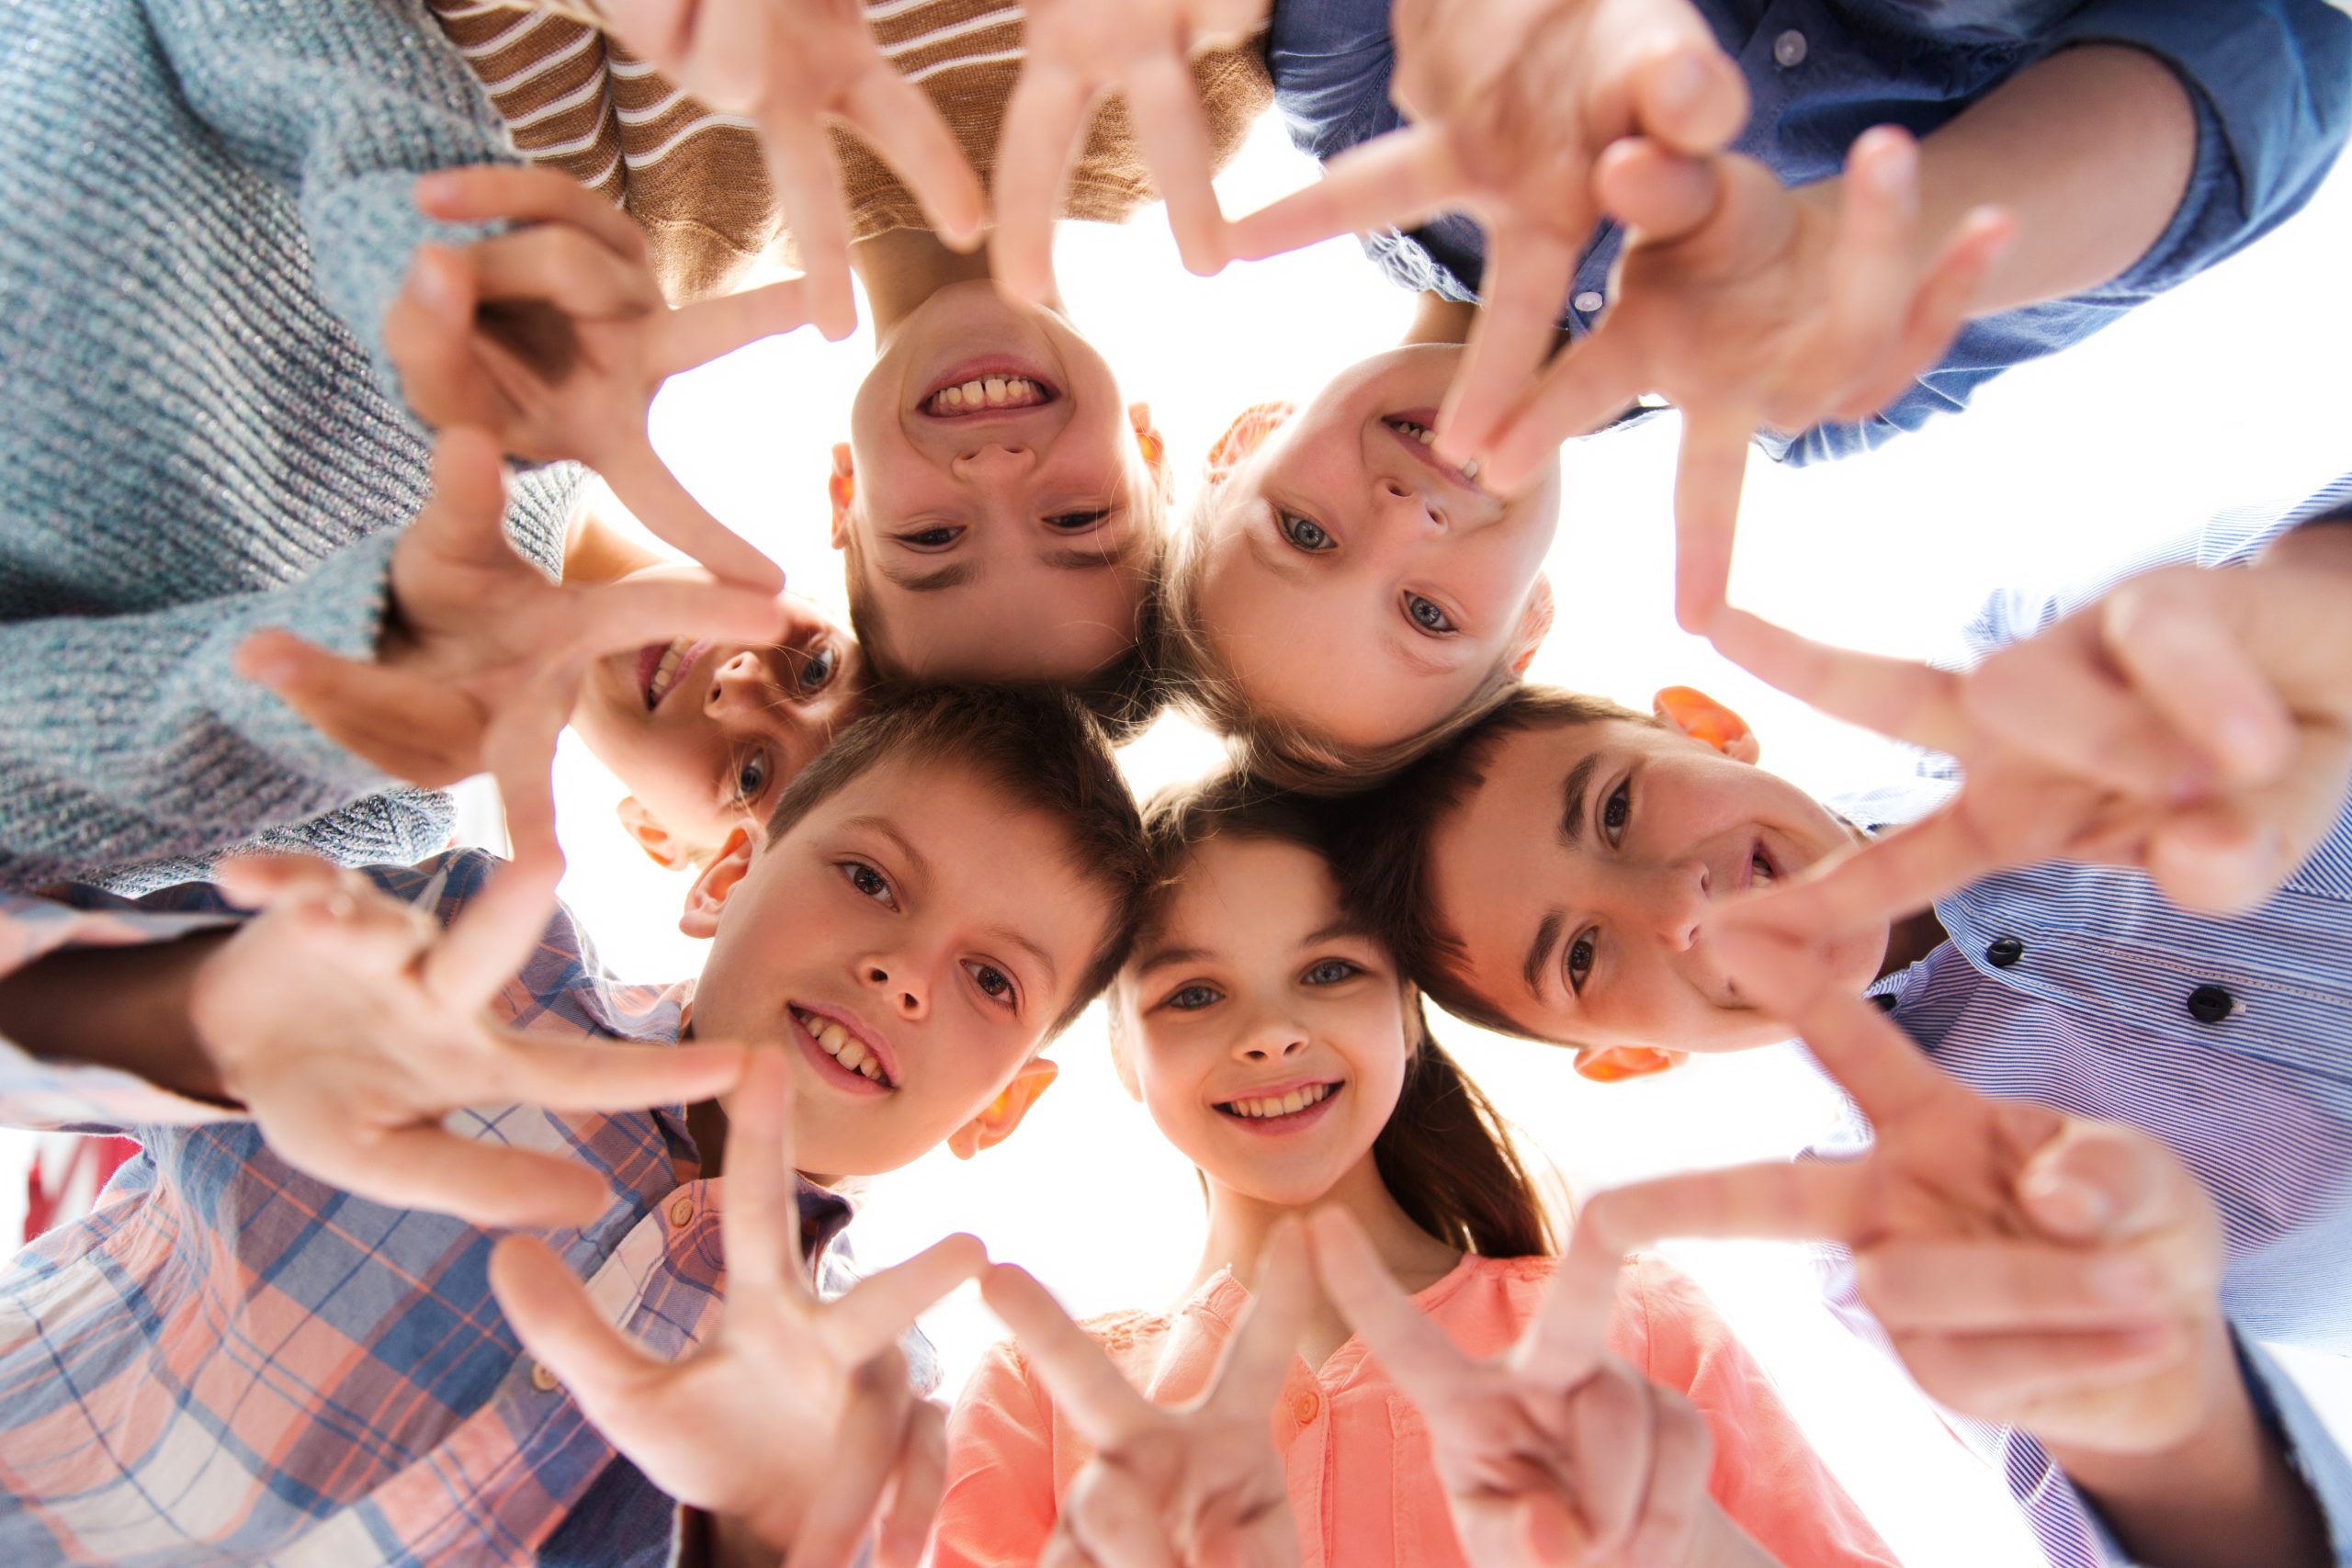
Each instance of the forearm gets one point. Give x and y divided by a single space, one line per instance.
124 1008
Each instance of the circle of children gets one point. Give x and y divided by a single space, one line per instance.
428 1256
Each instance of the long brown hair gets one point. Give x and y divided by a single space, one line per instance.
1445 1155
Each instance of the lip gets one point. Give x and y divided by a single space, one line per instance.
877 1047
1427 456
649 662
1281 1126
981 370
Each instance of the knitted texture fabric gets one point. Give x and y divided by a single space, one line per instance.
205 208
695 180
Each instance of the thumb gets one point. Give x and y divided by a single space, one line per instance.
1649 188
2100 1183
465 515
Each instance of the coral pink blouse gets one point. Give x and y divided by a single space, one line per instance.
1355 1449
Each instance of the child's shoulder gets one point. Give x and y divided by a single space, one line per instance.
1126 1330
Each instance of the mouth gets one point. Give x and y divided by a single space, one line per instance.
988 390
661 667
842 1053
1761 872
1292 1110
1418 431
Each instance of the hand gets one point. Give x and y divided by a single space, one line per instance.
482 656
1511 103
1078 50
790 65
2195 722
350 1024
1551 1452
795 1418
2033 1269
1748 304
1198 1486
554 338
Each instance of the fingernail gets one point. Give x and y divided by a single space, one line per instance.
1682 83
1891 171
2077 1204
434 186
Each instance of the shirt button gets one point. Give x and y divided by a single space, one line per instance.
1788 50
1309 1406
1590 300
2211 1004
2004 950
682 1212
542 1379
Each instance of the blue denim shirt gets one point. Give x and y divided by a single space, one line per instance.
2271 81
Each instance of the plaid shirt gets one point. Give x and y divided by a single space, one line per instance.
229 1362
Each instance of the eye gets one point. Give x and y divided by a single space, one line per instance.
1616 811
1425 615
938 538
817 671
1192 998
869 882
993 982
751 777
1304 532
1331 972
1577 959
1077 522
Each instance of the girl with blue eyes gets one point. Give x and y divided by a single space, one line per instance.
1269 1033
1337 598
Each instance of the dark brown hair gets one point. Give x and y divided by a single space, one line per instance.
1445 1154
1383 858
1036 745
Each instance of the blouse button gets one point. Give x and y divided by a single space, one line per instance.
2004 951
542 1379
1589 300
1309 1406
1789 49
2211 1004
682 1212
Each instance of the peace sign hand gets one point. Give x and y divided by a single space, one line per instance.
791 65
1077 52
793 1423
2033 1269
483 656
1553 1452
1199 1487
554 338
350 1024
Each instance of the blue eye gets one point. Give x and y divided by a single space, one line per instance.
1193 997
1304 532
1425 614
1331 972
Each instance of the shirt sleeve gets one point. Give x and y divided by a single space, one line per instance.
1766 1477
998 1507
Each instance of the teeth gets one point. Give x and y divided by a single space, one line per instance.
665 673
842 1045
990 392
1470 469
1763 870
1289 1104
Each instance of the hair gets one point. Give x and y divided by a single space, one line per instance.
1383 858
1445 1154
1043 750
1282 751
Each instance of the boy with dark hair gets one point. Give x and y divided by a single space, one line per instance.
321 1373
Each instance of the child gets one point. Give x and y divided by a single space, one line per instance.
1271 1036
932 901
1561 873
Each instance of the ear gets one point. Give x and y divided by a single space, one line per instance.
1534 626
651 836
707 900
1614 1063
1154 447
1246 434
841 488
1702 718
996 1124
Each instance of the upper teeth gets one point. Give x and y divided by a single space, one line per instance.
665 673
1420 432
1288 1104
841 1044
1762 867
987 392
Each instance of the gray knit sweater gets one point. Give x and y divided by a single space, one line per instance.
205 209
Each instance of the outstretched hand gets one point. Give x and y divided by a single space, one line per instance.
350 1024
794 1422
1197 1486
483 656
791 65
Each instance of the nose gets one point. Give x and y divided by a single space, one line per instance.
1679 902
1270 1037
743 683
899 983
992 459
1411 506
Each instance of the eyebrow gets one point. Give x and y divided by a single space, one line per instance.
1540 951
1090 560
1572 798
1282 562
1346 925
1159 957
915 858
1027 945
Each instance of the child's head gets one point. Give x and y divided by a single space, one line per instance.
1548 875
935 898
1337 598
706 735
1001 510
1267 1029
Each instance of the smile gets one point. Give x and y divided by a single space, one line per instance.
991 391
1292 1110
661 666
1423 440
842 1048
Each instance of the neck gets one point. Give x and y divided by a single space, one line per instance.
904 267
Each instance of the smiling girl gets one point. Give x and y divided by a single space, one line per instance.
1266 1029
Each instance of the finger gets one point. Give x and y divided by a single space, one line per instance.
520 194
1612 1421
2007 1286
569 1075
1681 1453
464 519
1042 124
1953 289
1112 1520
429 337
1887 1075
2051 698
565 268
1582 390
1708 473
2102 1182
2001 1378
1526 284
425 1168
1650 189
801 162
1899 697
630 614
759 1222
257 880
1687 94
411 729
917 1486
2226 856
1416 1354
1869 283
903 127
1902 871
2168 639
1394 180
696 335
495 936
862 1457
669 510
518 750
884 1305
1171 132
561 1327
1062 1550
1100 1402
1256 1360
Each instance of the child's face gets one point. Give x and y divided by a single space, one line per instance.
1005 535
706 734
1253 995
915 922
1342 544
1578 875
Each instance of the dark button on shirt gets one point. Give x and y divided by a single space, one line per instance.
2211 1004
2004 951
1883 1002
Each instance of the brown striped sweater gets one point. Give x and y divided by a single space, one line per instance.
693 179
